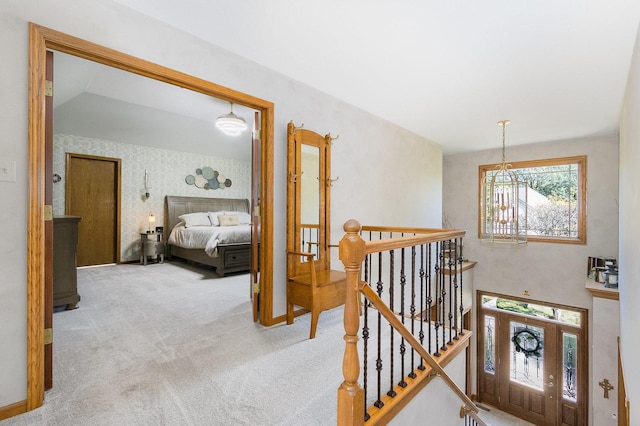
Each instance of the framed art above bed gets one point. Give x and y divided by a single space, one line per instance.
209 231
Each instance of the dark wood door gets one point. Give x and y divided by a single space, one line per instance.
92 192
48 229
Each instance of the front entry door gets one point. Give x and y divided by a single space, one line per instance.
528 368
533 361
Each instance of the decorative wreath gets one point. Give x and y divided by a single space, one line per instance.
527 341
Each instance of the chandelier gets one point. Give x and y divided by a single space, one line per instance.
231 124
504 203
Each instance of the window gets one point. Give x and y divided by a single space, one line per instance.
556 198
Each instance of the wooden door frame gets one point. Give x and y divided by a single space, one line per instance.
41 39
118 194
582 360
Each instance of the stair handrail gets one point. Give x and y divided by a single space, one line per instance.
353 250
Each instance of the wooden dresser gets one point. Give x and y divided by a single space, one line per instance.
65 276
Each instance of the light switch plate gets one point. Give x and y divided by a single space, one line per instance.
7 171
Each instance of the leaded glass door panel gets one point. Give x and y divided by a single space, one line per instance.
528 378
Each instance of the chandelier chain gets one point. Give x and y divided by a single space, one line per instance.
504 123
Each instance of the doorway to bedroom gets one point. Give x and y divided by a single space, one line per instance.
42 39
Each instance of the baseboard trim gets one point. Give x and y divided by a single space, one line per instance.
13 409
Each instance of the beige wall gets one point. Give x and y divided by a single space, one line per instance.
549 272
629 233
379 164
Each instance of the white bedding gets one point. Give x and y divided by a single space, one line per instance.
209 237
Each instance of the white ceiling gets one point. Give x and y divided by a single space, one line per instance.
102 102
447 70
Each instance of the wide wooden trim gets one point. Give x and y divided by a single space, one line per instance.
35 221
13 409
41 39
581 160
599 290
623 402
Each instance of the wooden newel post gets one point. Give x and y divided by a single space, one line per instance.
350 394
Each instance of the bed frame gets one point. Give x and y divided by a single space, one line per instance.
231 257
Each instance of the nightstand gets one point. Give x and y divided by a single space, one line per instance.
151 244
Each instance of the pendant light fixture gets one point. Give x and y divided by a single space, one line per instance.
504 199
231 124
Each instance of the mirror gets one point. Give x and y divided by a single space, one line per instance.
308 156
310 199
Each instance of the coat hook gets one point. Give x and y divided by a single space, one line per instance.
330 139
294 128
330 181
294 177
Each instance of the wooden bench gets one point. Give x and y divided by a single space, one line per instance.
316 290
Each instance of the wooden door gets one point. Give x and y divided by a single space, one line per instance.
254 275
531 367
48 229
93 192
528 369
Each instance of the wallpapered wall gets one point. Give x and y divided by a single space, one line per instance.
167 170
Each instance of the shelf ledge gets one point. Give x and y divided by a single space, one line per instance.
466 265
599 290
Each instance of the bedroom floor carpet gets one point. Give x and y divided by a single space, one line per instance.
172 344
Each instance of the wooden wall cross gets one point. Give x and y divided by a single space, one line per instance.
604 384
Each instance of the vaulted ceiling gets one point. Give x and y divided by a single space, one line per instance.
446 70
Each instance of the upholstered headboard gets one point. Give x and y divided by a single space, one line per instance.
175 206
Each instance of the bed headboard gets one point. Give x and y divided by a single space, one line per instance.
175 206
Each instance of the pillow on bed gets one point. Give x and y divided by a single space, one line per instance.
213 216
195 219
228 219
243 217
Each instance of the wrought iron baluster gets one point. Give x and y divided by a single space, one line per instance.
365 338
460 261
438 297
442 298
422 304
379 288
412 309
403 344
450 264
391 392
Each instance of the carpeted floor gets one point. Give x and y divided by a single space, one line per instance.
171 344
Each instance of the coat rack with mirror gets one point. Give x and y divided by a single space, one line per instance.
311 283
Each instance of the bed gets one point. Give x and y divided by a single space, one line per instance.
195 238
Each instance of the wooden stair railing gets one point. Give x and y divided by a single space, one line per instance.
351 395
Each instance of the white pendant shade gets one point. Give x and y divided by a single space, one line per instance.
231 124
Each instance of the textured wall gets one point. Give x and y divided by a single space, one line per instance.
629 233
387 174
549 272
167 171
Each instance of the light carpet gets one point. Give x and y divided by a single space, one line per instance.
172 344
